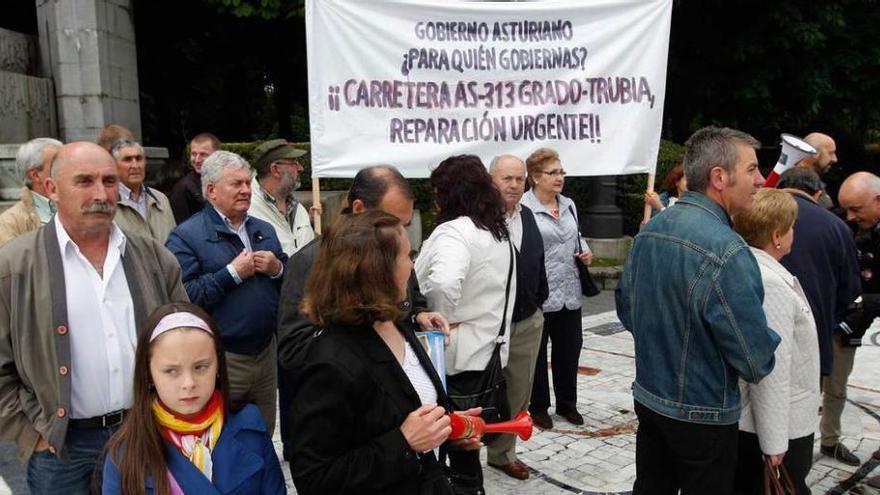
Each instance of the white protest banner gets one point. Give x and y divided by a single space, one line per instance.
411 82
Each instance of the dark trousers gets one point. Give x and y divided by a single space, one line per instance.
466 462
671 455
563 327
47 474
750 464
285 401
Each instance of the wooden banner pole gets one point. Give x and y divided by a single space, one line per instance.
316 201
648 209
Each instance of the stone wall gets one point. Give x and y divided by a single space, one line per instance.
27 102
88 46
17 52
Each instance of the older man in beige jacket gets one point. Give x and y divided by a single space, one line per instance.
140 209
34 208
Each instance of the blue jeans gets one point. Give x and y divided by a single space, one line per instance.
47 474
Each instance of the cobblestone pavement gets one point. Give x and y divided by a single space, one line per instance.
598 457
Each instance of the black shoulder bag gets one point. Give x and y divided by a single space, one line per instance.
588 286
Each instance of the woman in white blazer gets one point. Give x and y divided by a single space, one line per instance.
779 412
464 269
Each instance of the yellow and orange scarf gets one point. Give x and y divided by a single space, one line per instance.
196 437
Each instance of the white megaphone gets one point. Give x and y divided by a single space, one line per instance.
794 149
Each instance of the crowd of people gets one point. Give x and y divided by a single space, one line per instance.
746 306
150 344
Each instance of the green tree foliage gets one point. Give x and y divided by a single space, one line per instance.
771 67
265 9
238 69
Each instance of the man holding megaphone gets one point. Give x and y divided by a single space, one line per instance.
822 161
816 152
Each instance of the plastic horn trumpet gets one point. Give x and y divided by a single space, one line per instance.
794 149
464 426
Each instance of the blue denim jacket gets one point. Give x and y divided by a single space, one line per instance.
691 295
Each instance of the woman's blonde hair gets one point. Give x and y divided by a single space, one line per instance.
773 211
536 162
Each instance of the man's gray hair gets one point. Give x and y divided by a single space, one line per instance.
30 156
712 147
217 163
802 179
118 146
494 163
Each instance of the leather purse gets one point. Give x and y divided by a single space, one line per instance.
588 285
776 480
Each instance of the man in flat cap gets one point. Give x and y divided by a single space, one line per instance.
272 194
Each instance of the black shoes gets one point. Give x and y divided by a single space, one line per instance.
541 419
572 416
841 454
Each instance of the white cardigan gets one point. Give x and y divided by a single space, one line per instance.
462 271
783 405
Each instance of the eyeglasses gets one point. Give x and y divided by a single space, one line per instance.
292 163
554 173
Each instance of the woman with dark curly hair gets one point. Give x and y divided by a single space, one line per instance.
466 272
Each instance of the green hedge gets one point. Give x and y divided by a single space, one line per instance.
631 188
421 187
630 198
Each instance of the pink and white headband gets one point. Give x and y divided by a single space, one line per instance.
179 320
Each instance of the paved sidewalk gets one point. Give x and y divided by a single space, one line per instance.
598 457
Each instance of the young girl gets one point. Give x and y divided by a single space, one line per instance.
180 436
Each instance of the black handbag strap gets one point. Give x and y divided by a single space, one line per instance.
506 294
578 223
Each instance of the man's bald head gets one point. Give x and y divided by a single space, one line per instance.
509 175
83 185
381 187
860 196
81 150
827 152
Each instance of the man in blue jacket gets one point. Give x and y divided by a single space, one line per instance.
691 294
231 265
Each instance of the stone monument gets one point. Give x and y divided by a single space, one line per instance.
27 103
77 76
88 49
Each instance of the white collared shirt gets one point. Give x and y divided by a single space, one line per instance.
140 204
515 226
241 231
242 234
100 318
44 207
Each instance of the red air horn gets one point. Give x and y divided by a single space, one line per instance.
464 426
